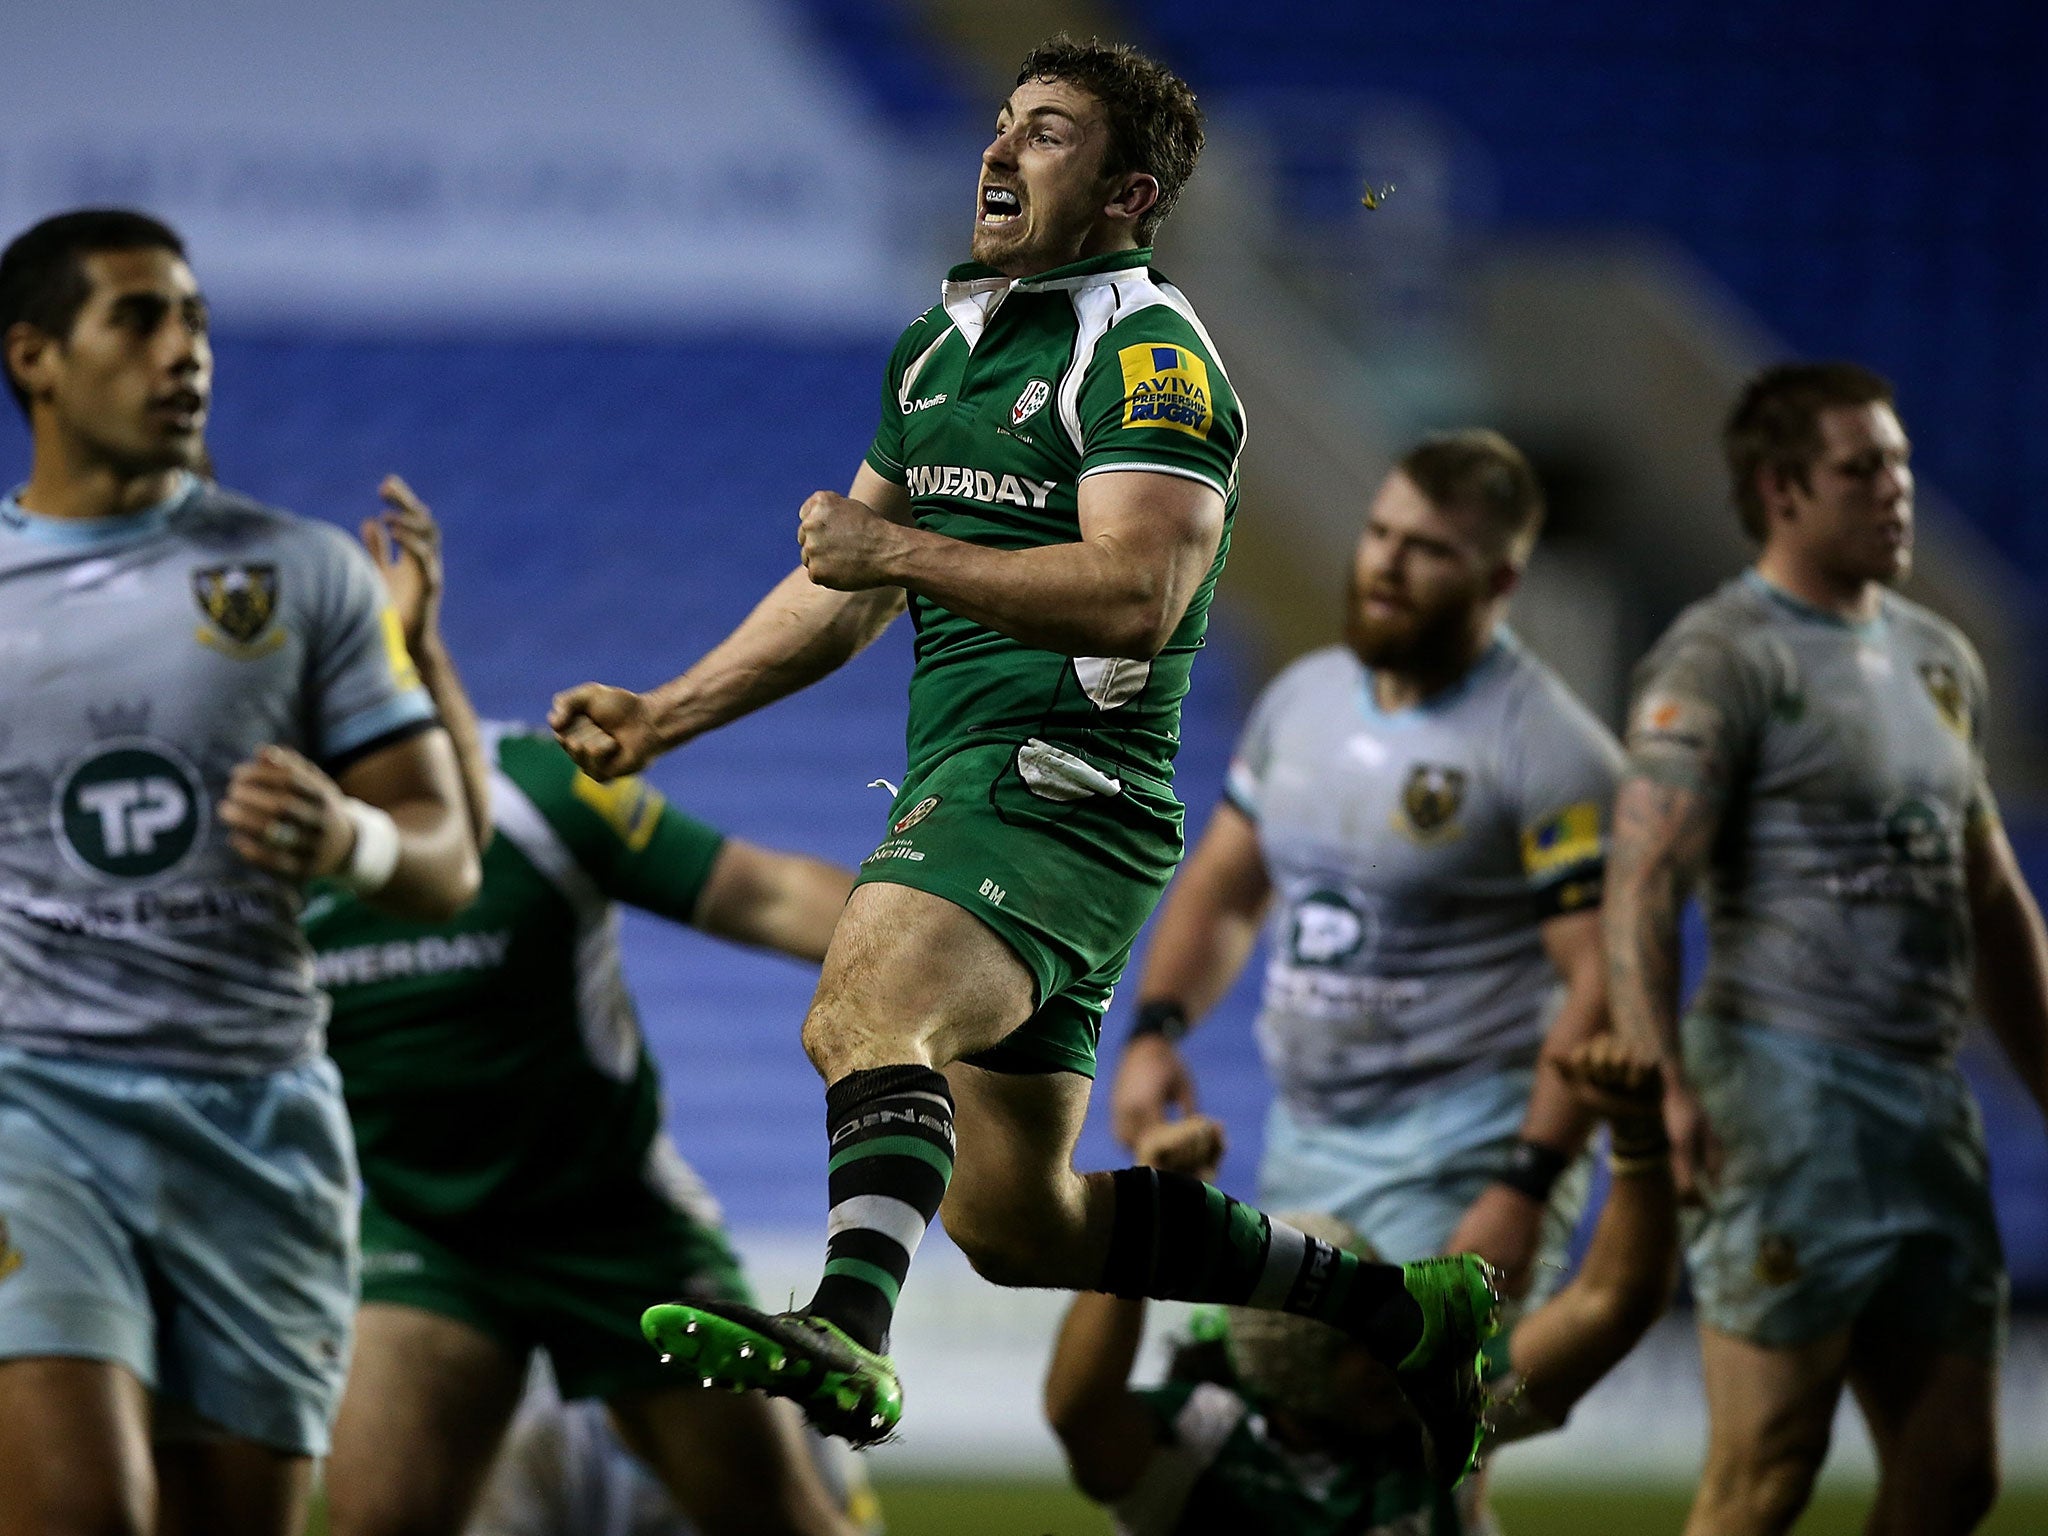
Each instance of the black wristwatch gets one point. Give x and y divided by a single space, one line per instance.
1166 1019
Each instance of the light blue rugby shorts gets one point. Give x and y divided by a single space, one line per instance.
1404 1179
199 1230
1855 1188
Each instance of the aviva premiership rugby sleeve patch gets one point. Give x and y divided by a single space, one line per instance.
1166 386
1563 856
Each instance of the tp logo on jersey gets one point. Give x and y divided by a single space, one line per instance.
131 811
1166 387
1324 929
1031 402
241 600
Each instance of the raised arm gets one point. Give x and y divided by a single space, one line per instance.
1147 540
798 633
1567 1345
1207 927
405 542
2012 951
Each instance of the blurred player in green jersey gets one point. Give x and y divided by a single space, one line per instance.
1050 490
519 1192
1806 746
1280 1426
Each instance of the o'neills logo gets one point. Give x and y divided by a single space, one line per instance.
978 485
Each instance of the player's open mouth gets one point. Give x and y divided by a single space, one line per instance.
999 205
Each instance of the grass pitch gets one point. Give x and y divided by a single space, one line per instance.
947 1508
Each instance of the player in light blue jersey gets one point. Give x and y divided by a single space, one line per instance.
204 704
1805 747
1422 811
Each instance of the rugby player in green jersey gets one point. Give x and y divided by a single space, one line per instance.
518 1191
1050 491
1278 1426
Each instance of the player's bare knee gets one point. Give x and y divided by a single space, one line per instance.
1764 1491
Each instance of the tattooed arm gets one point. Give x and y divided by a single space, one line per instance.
1662 834
1689 735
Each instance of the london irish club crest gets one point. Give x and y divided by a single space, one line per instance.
1430 799
1036 393
241 600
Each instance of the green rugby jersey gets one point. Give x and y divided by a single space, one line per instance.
1221 1469
494 1063
998 402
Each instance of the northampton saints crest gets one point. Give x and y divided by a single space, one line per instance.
241 600
1431 797
1945 687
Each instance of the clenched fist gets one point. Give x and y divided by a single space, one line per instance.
846 544
608 731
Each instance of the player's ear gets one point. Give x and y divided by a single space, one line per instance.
1505 578
1132 196
27 350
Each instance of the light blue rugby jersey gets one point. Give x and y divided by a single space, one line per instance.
1835 896
1415 857
141 658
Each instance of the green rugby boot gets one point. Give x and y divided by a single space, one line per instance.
1459 1295
843 1389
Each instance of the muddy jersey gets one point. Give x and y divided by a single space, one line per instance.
1846 763
998 402
1414 858
141 658
493 1063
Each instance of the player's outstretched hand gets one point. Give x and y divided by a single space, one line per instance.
609 731
285 816
1193 1145
846 544
405 541
1152 1082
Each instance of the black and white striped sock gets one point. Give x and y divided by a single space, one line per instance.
892 1144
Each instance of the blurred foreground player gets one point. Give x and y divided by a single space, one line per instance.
205 704
1808 744
519 1194
1428 802
563 1471
1051 485
1283 1427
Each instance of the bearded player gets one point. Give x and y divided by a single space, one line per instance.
1425 805
204 705
1805 745
1050 490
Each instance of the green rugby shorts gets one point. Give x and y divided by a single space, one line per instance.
1063 861
538 1285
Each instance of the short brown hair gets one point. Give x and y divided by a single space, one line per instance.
1776 425
1478 470
1154 124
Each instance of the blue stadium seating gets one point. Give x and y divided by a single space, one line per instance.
1864 174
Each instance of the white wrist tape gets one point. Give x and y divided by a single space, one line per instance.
374 859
